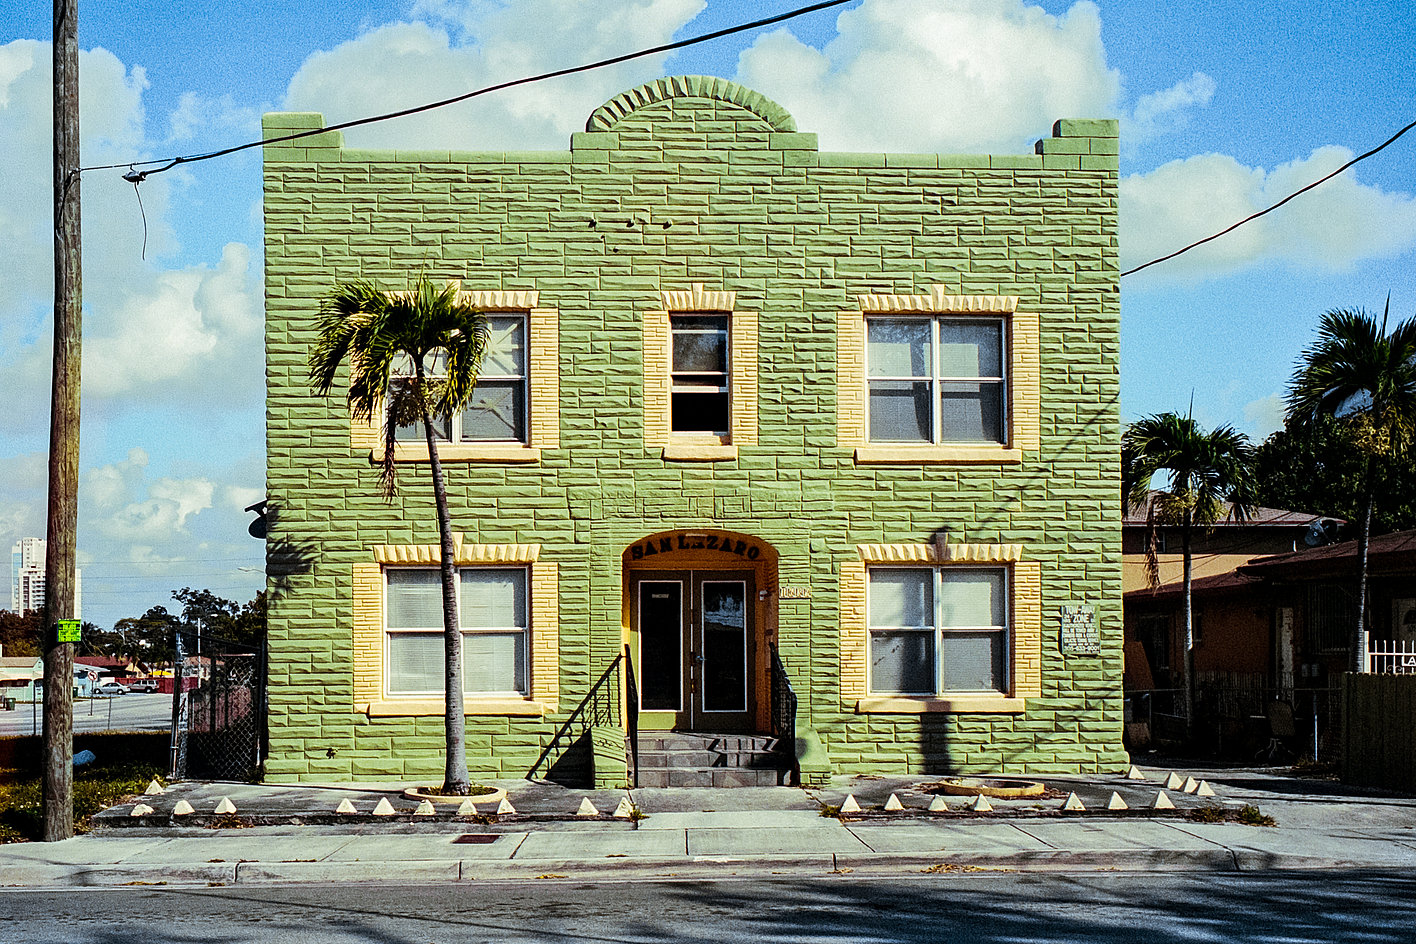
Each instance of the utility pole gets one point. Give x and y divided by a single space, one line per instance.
58 797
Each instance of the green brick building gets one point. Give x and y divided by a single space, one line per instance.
759 415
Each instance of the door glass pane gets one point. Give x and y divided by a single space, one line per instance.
724 646
899 411
415 662
972 662
970 412
902 663
660 645
414 599
901 597
970 349
971 597
897 348
496 412
494 662
493 598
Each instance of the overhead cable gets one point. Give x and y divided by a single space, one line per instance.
171 162
1254 216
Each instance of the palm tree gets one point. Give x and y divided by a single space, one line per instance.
1202 471
1366 379
413 358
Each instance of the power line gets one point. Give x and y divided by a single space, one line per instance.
1255 216
136 176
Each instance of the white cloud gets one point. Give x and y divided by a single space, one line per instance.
162 515
1330 228
24 481
471 44
129 508
193 325
1265 416
180 335
916 75
111 486
198 115
1166 110
239 498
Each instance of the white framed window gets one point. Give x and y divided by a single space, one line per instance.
700 394
938 630
936 379
497 411
493 610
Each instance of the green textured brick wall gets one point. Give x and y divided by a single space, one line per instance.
698 189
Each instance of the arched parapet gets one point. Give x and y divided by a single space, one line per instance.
610 114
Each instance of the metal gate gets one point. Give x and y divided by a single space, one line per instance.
218 709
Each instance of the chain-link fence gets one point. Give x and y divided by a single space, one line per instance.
218 709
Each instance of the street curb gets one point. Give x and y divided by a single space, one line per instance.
452 871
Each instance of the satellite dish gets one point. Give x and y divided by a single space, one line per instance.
1320 533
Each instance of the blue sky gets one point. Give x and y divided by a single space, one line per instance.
1225 107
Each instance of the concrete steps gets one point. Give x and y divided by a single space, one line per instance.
676 759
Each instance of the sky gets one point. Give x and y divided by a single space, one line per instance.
1225 107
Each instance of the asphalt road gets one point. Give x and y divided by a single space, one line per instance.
975 908
131 712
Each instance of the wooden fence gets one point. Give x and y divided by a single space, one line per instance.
1379 713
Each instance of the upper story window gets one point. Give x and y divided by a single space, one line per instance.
700 393
936 380
700 376
497 411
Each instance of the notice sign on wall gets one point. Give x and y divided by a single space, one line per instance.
1079 633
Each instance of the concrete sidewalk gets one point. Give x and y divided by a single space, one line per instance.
706 832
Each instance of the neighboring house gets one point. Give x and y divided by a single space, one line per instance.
1217 550
1154 615
1278 626
17 675
1316 591
746 399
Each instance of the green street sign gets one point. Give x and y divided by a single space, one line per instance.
69 630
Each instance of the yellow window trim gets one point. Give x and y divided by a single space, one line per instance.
937 554
742 364
543 421
1024 380
1026 636
367 631
696 299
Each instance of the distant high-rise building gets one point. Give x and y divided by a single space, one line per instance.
27 577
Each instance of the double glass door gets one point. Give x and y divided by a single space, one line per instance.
695 649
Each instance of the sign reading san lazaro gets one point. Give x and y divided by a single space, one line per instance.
718 543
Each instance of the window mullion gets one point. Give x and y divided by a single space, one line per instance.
938 631
934 388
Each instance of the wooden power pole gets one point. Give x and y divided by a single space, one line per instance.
60 534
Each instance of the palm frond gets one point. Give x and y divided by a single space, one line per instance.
370 330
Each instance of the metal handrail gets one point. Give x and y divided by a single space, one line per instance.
631 715
599 706
784 704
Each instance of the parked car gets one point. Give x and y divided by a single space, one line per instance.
111 688
143 685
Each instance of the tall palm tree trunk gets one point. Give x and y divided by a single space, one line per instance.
1189 655
1359 634
455 779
